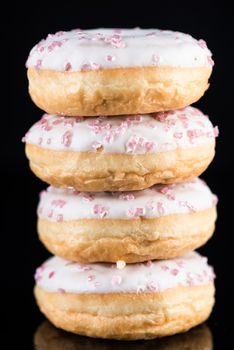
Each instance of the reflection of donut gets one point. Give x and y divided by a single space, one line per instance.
162 222
47 337
107 72
121 153
140 301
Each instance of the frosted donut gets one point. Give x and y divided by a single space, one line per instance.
48 337
158 223
111 72
140 301
121 153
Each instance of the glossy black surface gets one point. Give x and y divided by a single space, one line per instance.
21 251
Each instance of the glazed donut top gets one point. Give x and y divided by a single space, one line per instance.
140 134
82 50
160 200
59 275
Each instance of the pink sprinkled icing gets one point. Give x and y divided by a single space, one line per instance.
107 48
188 270
65 204
139 134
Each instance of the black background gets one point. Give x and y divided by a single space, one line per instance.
20 249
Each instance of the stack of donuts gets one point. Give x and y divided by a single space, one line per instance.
122 149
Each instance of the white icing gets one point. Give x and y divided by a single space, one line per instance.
92 49
59 275
158 132
67 204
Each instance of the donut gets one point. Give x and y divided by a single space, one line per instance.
140 301
48 337
162 222
111 72
121 153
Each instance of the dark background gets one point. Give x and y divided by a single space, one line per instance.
20 248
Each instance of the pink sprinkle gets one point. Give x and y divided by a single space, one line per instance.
168 192
100 210
186 204
202 44
69 122
215 200
46 126
86 66
61 290
116 280
58 203
90 66
57 121
54 44
88 197
184 119
130 213
110 58
216 131
134 118
174 272
95 126
162 116
210 61
149 263
60 33
59 217
139 211
68 66
40 141
67 138
98 37
127 196
150 205
38 64
115 40
50 214
194 133
51 274
139 142
91 278
149 145
164 267
84 268
132 144
136 212
38 276
178 135
48 141
79 119
109 137
161 209
152 286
